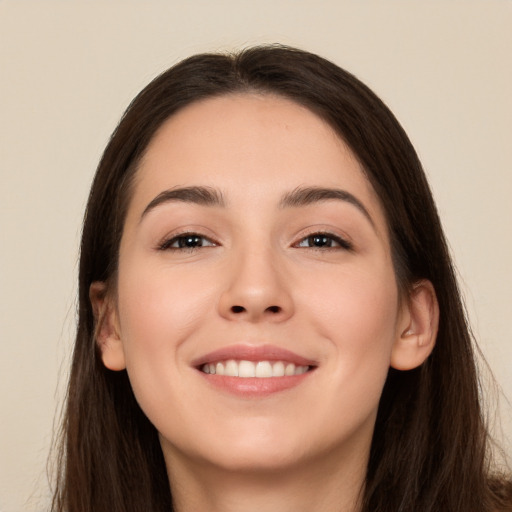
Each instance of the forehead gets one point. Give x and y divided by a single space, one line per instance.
242 123
250 146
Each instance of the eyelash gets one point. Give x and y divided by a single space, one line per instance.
326 237
166 245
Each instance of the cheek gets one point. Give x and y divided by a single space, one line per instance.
158 311
357 313
158 300
356 319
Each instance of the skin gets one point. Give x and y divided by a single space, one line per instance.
257 280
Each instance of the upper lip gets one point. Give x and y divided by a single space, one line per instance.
253 353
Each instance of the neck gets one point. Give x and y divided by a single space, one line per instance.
314 486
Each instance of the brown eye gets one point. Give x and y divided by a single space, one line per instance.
320 241
187 241
324 241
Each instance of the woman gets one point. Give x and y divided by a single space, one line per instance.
269 318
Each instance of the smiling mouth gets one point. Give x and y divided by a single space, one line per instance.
257 369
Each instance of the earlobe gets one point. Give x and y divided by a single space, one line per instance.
106 332
417 338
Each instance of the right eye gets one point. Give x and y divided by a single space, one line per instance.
186 242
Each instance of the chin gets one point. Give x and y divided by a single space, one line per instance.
258 458
264 449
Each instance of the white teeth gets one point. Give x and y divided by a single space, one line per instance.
231 368
264 369
278 369
300 370
289 369
246 369
260 369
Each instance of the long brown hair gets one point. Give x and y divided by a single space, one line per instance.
430 446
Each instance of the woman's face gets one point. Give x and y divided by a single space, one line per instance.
254 245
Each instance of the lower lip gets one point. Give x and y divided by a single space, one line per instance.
254 387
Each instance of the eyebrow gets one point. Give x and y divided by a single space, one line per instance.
204 196
301 196
304 196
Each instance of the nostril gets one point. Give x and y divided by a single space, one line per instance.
274 309
237 309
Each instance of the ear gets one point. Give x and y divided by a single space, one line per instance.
107 332
420 322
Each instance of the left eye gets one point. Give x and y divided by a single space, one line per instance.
323 241
186 241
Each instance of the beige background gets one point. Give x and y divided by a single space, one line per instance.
67 71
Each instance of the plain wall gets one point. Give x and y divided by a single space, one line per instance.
68 70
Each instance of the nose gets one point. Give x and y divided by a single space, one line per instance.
257 289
